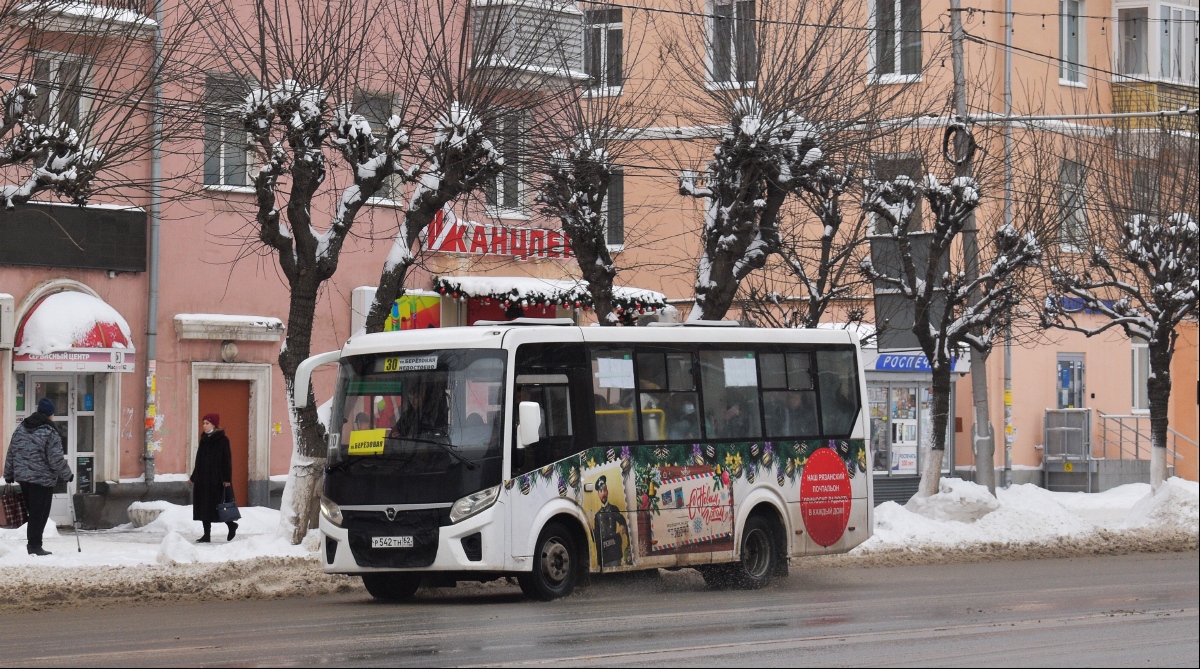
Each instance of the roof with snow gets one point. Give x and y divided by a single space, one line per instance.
69 321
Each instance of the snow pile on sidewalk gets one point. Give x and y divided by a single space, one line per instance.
167 540
1028 521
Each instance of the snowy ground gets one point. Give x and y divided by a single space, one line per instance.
962 522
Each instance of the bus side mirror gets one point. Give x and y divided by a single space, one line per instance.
530 416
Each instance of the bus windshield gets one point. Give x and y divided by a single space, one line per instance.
422 413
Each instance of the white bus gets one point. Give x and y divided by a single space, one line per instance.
552 452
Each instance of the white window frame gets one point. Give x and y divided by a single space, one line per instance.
606 88
222 141
618 173
1078 189
1184 10
54 92
1139 358
396 197
710 58
897 49
512 210
1118 45
1079 65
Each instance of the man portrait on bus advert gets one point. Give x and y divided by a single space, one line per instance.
605 507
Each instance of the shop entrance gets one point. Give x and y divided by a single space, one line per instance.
75 401
901 426
231 400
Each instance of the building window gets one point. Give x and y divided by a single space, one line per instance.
1140 358
1073 228
377 108
897 38
504 193
734 49
614 211
1070 41
226 155
1132 33
1177 43
60 80
603 45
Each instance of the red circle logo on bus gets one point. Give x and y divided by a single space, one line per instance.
825 496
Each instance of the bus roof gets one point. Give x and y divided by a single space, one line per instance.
497 335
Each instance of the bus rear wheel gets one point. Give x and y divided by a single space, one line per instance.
393 587
556 564
759 556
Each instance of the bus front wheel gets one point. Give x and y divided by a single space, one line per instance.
556 564
393 587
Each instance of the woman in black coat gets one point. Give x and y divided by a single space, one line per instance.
211 477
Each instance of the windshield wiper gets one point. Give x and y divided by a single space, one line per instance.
469 463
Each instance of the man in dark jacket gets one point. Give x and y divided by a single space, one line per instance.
35 460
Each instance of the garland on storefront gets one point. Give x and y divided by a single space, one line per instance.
572 296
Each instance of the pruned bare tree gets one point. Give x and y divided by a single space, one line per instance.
483 73
79 110
1128 258
595 137
951 312
785 88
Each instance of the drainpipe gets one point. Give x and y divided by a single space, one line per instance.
1009 436
151 426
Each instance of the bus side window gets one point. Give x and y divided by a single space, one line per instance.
729 382
667 395
837 380
789 395
557 427
613 390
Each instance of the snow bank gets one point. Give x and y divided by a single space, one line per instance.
957 499
1023 519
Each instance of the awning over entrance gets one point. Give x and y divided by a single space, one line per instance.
534 292
73 332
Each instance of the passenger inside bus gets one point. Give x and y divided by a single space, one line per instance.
791 414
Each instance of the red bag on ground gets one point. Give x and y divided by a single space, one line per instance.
12 507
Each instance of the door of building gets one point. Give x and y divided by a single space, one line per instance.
904 429
75 419
1071 381
231 400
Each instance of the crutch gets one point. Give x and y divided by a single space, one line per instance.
74 523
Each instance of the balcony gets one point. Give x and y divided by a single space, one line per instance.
528 44
99 18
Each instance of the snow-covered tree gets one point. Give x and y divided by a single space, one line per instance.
1134 264
758 162
947 321
53 153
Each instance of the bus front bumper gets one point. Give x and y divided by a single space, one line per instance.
452 551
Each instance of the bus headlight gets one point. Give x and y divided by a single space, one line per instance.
473 504
331 511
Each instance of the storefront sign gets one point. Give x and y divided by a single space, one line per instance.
447 234
825 496
910 362
93 360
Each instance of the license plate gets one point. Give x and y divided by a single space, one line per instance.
391 542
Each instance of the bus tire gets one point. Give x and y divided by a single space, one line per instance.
556 565
759 557
392 587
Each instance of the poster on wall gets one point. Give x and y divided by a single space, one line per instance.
694 512
605 506
414 312
904 458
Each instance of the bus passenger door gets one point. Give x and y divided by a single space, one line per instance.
549 468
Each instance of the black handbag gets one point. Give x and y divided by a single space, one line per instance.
228 510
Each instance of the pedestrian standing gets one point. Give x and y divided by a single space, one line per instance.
212 476
35 461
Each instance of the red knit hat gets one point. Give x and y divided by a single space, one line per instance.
213 418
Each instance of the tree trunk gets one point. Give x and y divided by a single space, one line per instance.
308 456
931 470
1158 388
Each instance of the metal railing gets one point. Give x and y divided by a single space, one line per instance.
1127 437
1068 434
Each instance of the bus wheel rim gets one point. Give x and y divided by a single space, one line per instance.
556 561
756 553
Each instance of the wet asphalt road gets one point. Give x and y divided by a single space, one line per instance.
1102 611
